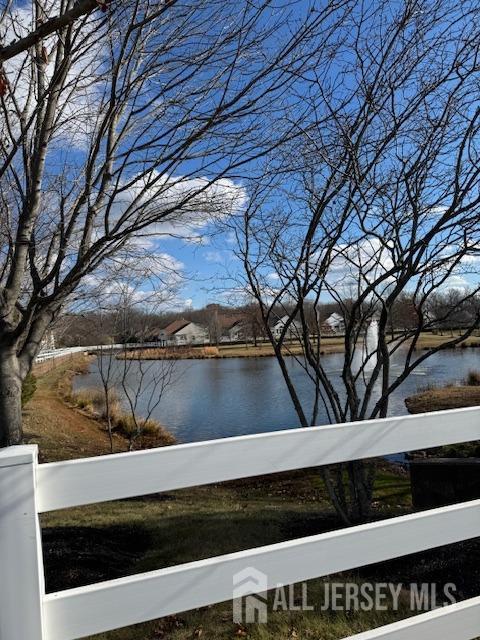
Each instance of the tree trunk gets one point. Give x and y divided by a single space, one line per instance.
350 489
10 398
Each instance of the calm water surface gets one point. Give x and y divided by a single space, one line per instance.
235 396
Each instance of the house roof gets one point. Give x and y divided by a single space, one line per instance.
228 322
281 322
277 320
334 317
175 326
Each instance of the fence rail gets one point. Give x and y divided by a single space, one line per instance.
91 480
53 354
28 489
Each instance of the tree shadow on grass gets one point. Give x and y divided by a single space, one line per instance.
76 556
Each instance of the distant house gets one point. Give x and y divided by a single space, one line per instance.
232 328
236 330
294 328
151 335
183 332
335 323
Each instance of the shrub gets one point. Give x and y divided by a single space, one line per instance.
84 398
125 424
93 401
473 379
466 450
29 387
210 351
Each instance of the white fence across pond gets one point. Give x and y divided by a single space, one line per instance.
28 489
53 354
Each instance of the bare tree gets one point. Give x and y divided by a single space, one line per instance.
144 384
126 296
129 123
252 322
378 202
106 364
66 14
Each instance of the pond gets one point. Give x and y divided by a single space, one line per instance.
218 398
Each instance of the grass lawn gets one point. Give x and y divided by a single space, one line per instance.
100 542
105 541
330 344
429 340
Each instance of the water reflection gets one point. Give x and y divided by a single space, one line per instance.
236 396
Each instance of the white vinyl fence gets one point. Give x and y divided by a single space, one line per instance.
28 489
52 354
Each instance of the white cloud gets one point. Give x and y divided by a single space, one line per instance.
436 210
143 242
230 237
471 259
358 265
186 206
273 276
455 282
214 256
134 277
197 238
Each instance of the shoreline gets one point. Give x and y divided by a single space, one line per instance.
332 345
449 396
61 431
61 428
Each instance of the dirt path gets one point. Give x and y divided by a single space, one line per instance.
62 432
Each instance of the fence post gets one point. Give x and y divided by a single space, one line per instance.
21 563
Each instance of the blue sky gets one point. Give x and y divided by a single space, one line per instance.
207 266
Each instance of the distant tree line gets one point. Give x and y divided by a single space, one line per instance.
446 312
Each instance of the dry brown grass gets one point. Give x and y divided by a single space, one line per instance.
147 429
211 351
64 430
448 397
262 350
90 399
429 340
93 401
329 344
